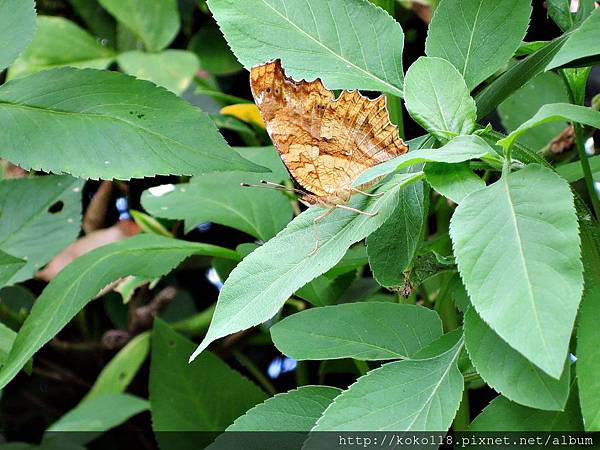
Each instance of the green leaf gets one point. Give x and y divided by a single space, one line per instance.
560 12
40 217
479 36
59 42
99 22
588 352
263 281
364 331
7 337
155 22
212 50
99 414
438 99
581 44
400 396
509 373
503 415
519 258
392 247
17 25
9 266
118 373
295 410
118 127
171 69
453 181
552 113
325 290
349 44
459 149
219 198
573 172
205 395
488 98
543 89
588 362
145 255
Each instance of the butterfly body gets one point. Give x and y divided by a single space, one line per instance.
324 142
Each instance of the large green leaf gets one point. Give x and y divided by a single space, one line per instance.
508 372
264 280
503 415
400 396
517 248
9 266
17 25
99 124
488 98
7 337
588 351
172 69
477 36
438 99
581 43
573 172
59 42
219 198
523 104
118 373
205 395
150 256
392 247
295 410
40 217
453 181
365 331
552 113
100 414
155 22
459 149
349 44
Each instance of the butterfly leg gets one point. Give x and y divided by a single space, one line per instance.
364 213
316 230
358 191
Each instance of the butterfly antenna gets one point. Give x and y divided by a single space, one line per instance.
277 187
358 191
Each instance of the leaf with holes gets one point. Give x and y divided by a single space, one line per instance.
45 217
349 44
118 127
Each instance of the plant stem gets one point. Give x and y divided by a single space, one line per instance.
587 171
394 103
302 377
255 371
362 367
463 416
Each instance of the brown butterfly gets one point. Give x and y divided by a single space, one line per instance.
324 142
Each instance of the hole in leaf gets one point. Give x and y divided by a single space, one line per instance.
56 207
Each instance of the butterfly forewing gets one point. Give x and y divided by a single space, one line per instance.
324 142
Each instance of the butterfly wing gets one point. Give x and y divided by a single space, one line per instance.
324 142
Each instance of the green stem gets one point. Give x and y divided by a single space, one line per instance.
362 367
302 376
394 103
255 371
585 167
463 415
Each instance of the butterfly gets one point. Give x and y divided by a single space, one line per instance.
325 142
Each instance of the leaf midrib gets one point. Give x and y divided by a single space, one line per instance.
348 62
